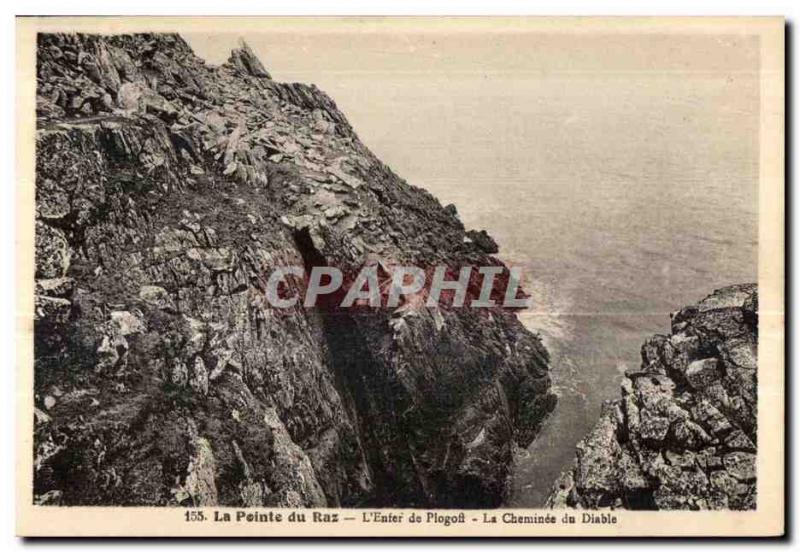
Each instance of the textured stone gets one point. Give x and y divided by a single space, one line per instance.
688 433
702 373
199 487
53 309
247 62
653 428
156 296
167 208
741 465
129 95
52 252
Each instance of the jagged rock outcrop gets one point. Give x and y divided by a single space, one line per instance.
166 191
683 435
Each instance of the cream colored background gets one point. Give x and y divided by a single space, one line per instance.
767 520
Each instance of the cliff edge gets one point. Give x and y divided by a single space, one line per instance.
166 191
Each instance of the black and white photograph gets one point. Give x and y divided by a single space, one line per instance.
484 272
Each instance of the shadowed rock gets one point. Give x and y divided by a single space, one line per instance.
246 61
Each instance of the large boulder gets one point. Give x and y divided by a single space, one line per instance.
686 439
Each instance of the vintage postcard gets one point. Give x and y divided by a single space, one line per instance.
400 276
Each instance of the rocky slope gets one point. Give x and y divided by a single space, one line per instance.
166 191
683 435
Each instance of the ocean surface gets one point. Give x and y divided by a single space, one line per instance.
624 195
623 198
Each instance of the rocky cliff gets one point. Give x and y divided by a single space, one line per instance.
166 191
683 435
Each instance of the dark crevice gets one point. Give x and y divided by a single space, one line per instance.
363 378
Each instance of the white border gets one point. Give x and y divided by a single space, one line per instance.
786 8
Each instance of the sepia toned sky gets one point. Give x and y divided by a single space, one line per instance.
296 49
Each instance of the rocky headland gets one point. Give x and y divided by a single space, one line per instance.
683 434
166 191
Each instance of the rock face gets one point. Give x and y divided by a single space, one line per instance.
683 435
166 191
